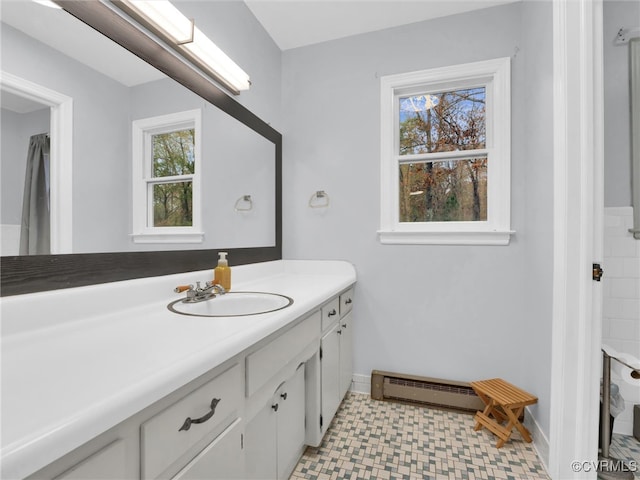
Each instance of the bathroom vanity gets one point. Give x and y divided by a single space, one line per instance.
105 382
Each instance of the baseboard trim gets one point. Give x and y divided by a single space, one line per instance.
361 383
540 440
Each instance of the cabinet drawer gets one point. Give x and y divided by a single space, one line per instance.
274 356
346 302
163 441
330 313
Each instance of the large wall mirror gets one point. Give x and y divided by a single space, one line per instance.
99 229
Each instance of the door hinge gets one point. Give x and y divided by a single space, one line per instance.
597 272
320 421
320 353
242 441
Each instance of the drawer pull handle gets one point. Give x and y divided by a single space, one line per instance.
187 423
332 313
348 301
344 325
283 395
339 332
275 407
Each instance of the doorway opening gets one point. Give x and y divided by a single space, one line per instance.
60 156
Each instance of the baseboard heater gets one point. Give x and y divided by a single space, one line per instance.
433 392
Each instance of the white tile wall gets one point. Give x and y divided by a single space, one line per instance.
621 302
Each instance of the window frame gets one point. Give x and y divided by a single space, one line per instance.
143 181
495 76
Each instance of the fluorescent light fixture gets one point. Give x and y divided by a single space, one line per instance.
165 20
48 3
166 17
210 57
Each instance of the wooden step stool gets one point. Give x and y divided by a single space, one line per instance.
503 402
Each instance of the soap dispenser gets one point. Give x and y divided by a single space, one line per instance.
222 273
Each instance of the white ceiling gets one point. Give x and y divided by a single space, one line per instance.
296 23
59 30
291 24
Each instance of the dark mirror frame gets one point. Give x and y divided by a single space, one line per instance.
36 273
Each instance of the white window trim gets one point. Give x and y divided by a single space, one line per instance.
141 142
495 75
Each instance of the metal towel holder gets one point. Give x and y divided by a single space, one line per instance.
243 204
320 199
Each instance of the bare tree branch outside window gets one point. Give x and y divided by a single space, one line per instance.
441 190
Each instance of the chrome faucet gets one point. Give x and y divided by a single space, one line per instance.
199 294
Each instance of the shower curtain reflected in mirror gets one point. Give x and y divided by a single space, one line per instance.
35 230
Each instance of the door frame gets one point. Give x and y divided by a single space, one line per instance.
578 236
61 155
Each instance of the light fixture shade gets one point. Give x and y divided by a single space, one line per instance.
48 3
166 17
211 57
162 17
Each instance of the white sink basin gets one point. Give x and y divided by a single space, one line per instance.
233 304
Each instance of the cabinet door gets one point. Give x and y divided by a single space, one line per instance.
346 354
261 454
291 429
222 458
330 367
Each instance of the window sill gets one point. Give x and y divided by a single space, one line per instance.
193 237
445 238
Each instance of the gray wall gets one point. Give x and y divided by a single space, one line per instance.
235 161
536 145
455 312
100 137
617 131
15 131
232 27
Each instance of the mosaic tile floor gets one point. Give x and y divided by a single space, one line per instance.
626 448
370 439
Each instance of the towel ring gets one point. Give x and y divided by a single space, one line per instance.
319 195
243 200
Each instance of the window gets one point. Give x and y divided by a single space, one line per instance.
445 155
166 179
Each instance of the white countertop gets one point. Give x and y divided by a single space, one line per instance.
77 362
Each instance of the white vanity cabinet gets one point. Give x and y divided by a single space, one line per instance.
346 354
290 428
336 359
170 437
275 436
159 441
276 400
346 342
330 375
251 416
